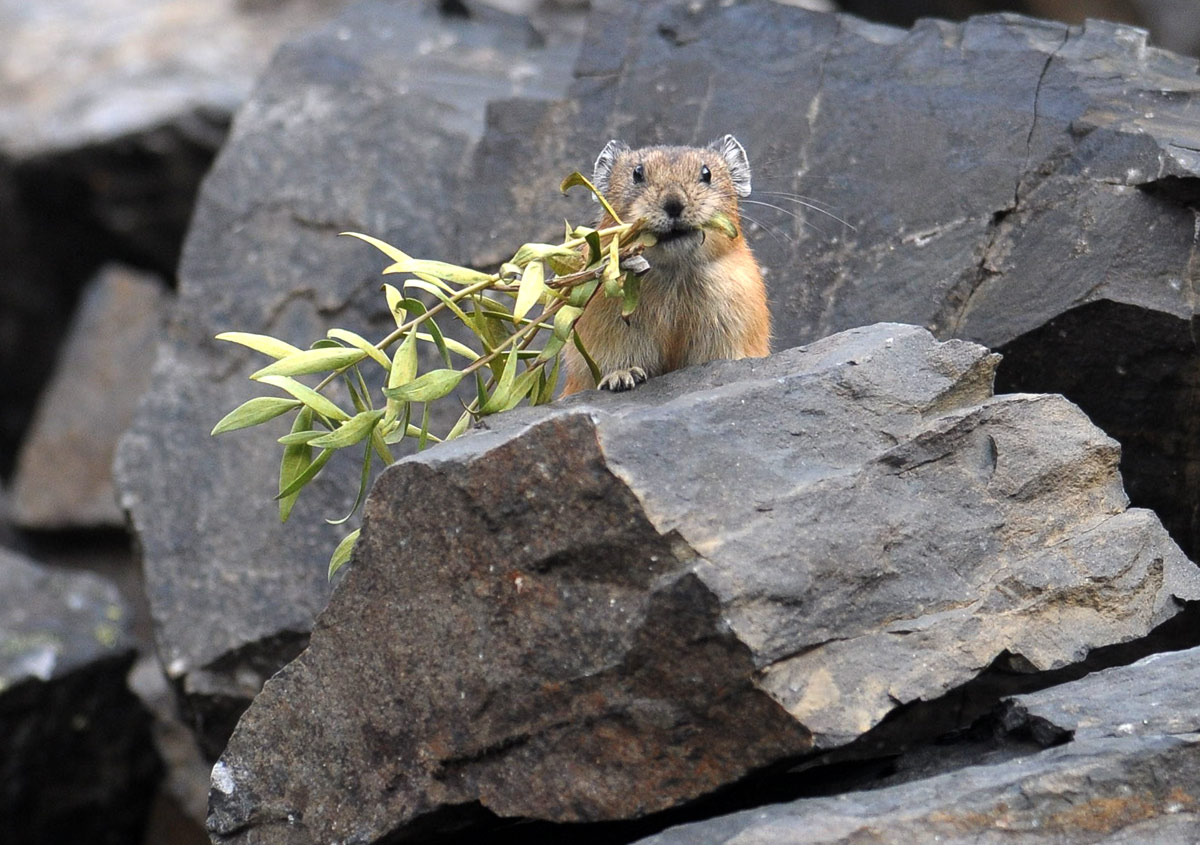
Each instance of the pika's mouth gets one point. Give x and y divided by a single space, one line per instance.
678 234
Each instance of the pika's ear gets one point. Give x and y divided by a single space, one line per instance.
602 169
735 157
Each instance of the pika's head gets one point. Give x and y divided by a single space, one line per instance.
676 190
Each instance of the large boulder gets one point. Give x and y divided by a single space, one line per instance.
614 605
351 128
77 763
1123 767
1022 184
110 113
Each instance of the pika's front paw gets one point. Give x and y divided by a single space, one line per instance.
623 379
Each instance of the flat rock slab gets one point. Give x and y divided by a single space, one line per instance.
76 758
1129 772
616 604
64 468
359 126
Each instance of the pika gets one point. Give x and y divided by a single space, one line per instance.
703 297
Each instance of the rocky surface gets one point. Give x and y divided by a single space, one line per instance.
110 114
1124 768
64 470
1018 183
361 126
76 759
643 597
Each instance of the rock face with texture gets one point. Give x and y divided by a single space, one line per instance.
619 603
1125 768
76 759
1018 183
64 470
110 114
360 126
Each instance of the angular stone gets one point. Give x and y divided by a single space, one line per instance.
1129 771
64 468
613 605
349 129
1018 183
76 759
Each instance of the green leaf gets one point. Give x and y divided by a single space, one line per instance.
260 343
386 248
542 252
554 345
578 178
423 435
595 252
364 480
395 301
360 342
341 555
525 384
380 446
299 438
633 289
595 370
256 411
612 270
354 430
296 458
425 388
308 396
580 294
464 422
439 293
307 475
441 269
312 361
547 391
722 223
533 285
499 398
404 362
564 321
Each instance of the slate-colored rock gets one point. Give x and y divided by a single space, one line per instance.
76 760
64 469
616 604
1019 183
361 126
1126 769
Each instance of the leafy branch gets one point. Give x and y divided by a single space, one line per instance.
518 356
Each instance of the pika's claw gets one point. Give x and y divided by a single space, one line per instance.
623 379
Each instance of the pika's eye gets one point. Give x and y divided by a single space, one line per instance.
639 174
705 174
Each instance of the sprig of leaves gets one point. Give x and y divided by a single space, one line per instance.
522 316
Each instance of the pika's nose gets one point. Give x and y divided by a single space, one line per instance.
673 206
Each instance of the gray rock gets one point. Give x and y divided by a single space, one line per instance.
1126 790
64 468
1156 696
76 760
1018 183
360 126
1127 773
640 598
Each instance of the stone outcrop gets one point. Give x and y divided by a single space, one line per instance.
1022 184
351 128
64 469
617 604
1123 768
76 759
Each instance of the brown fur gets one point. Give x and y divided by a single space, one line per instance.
703 297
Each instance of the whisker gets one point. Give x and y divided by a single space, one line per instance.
774 231
809 205
789 213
